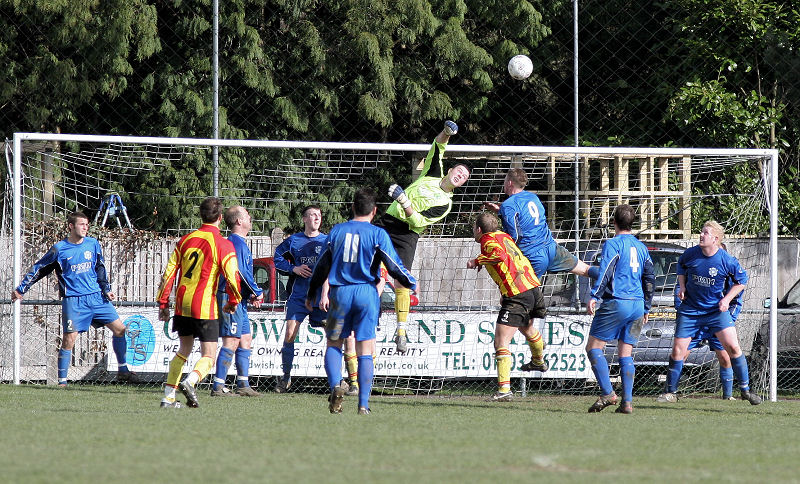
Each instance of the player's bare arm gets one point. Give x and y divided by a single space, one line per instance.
491 206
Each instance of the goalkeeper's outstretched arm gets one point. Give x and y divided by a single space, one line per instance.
433 165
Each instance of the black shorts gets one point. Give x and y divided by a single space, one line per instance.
517 311
403 238
206 330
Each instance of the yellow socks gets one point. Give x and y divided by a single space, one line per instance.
174 376
536 345
201 369
402 303
351 362
503 359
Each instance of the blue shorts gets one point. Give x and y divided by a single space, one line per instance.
618 319
354 308
689 326
709 337
80 312
296 311
553 258
236 324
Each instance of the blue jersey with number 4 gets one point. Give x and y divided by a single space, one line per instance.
524 220
353 254
626 271
707 279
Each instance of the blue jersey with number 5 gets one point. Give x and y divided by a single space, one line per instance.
353 254
524 220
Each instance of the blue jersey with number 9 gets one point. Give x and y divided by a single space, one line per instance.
524 220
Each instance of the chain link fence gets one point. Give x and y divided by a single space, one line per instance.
685 73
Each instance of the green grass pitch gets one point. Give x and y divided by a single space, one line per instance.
93 434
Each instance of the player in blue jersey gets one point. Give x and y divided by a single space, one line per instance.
710 279
625 286
235 328
297 256
523 217
704 336
351 266
85 293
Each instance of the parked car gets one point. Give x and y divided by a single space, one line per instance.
788 338
275 284
559 289
655 340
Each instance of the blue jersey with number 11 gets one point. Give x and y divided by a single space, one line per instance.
354 252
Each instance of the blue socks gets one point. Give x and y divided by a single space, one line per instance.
600 369
627 371
726 378
366 369
333 366
120 346
223 363
287 357
64 359
740 370
674 375
243 367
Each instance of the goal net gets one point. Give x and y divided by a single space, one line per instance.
141 193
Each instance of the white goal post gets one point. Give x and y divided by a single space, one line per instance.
579 187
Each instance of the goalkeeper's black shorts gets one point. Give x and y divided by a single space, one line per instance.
403 238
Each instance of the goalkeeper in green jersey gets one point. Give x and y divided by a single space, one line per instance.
426 201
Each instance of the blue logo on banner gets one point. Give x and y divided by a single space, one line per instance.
141 340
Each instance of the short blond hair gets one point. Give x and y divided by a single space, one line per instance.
717 229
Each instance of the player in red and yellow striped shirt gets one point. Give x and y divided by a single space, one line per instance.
522 299
197 262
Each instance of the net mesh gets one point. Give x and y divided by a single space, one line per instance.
450 333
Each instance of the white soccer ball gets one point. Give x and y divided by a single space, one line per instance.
520 67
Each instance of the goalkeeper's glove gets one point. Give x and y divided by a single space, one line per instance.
450 128
397 193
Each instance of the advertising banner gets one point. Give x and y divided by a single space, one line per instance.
440 344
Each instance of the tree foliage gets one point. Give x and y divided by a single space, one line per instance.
685 73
